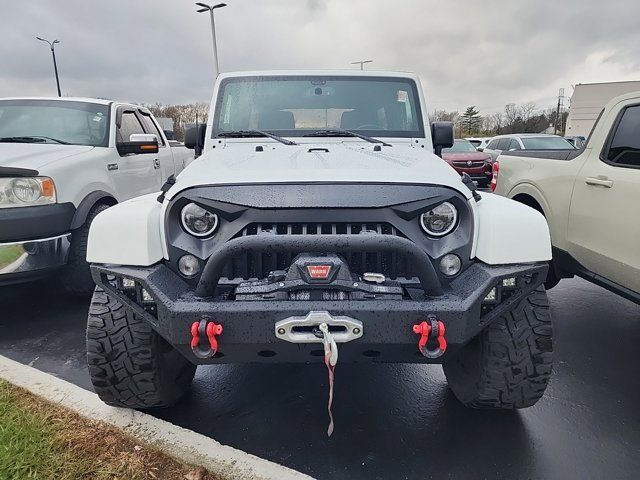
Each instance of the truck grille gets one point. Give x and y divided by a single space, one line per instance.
258 265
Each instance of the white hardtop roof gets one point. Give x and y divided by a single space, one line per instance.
64 99
311 73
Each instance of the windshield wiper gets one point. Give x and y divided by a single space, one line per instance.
346 133
254 133
32 139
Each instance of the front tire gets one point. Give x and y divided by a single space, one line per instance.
75 276
509 364
129 363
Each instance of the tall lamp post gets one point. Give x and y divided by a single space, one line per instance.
210 9
361 63
55 65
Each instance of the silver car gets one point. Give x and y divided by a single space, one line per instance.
525 141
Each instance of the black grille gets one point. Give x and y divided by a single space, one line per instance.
474 164
258 265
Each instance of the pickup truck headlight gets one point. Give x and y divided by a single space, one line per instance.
197 221
440 220
26 192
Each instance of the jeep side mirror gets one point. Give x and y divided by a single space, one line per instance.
138 143
480 149
442 136
194 138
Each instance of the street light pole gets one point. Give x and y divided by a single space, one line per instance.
210 9
55 65
361 63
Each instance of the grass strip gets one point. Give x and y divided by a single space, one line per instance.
43 441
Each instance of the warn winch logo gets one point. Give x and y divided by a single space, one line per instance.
319 272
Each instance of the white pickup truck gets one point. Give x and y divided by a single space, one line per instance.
62 161
590 198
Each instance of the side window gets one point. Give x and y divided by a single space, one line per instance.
514 144
503 144
493 144
624 148
129 125
150 127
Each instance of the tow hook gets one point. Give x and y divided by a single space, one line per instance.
205 331
431 329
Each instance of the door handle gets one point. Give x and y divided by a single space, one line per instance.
156 163
601 182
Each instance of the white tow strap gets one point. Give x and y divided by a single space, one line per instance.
330 360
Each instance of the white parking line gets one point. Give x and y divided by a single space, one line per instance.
182 444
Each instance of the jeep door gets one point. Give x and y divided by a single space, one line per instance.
135 174
604 225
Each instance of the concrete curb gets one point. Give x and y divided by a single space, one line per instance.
178 442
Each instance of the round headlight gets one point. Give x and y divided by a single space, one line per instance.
440 220
26 190
197 221
450 264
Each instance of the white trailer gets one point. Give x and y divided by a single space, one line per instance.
587 102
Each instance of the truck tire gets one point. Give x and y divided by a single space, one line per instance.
75 276
508 365
129 363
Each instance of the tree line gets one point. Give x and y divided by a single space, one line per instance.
182 115
516 118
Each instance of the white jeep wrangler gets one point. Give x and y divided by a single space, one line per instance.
63 161
319 215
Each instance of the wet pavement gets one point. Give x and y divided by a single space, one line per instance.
393 421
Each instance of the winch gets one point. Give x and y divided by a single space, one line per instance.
319 277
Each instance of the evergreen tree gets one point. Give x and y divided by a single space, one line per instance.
471 120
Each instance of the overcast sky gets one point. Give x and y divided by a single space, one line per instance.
467 52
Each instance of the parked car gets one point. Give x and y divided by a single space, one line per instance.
63 161
296 232
525 141
464 158
589 198
479 142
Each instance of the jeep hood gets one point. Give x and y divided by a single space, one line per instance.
36 155
240 163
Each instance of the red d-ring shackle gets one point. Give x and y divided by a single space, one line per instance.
433 329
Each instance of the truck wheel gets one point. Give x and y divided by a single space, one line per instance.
129 363
75 276
509 364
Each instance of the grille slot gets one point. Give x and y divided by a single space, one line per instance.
258 265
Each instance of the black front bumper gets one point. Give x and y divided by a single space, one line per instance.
171 307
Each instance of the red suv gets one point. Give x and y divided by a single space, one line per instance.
464 157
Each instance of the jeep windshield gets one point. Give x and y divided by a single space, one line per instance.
54 121
301 106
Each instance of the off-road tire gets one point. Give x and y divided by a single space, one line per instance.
509 364
129 363
75 276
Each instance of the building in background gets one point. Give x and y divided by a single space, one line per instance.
587 102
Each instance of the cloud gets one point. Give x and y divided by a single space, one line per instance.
467 52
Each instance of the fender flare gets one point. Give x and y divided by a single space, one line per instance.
534 192
88 203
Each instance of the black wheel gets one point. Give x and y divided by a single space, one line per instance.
75 276
129 363
509 364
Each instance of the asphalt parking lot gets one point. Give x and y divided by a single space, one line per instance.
392 421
